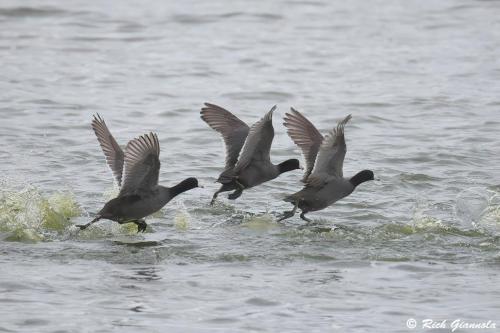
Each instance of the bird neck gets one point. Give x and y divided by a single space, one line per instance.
183 186
361 177
288 165
164 194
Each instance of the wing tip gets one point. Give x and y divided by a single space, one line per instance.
213 111
97 120
212 107
341 124
269 114
148 140
294 115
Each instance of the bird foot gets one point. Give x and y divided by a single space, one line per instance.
236 194
286 215
303 216
85 226
141 225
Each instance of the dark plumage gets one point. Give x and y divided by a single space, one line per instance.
137 172
324 157
253 165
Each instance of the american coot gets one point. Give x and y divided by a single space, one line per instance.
137 172
324 157
254 166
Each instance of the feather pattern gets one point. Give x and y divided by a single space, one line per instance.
233 130
112 151
306 136
142 164
330 160
257 146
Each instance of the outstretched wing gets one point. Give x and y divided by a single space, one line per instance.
233 130
305 136
112 151
142 164
258 143
331 155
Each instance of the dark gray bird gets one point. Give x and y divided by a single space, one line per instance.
253 166
324 181
136 171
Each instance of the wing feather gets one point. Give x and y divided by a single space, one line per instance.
330 160
257 145
306 136
233 130
112 151
142 164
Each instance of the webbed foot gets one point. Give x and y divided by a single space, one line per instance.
214 197
236 194
141 225
286 215
85 226
303 216
290 213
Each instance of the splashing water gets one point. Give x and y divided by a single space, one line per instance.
181 220
27 215
480 207
259 222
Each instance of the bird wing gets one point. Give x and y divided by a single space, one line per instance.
112 151
331 155
305 135
258 143
142 164
233 130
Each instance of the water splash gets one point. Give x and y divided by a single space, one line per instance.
422 220
182 219
490 216
259 222
480 207
27 215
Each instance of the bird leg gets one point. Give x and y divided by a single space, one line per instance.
85 226
236 194
302 216
289 213
141 225
214 197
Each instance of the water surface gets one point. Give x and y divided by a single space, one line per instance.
420 79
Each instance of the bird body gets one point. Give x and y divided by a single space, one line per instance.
255 174
324 180
136 170
312 198
248 161
136 206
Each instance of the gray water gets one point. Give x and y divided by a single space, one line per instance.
421 80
